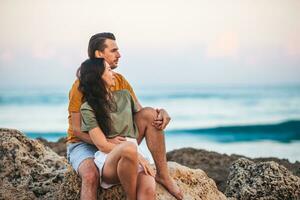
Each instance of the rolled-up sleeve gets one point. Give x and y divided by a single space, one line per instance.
75 97
88 119
134 106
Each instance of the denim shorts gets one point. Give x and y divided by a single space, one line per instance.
78 152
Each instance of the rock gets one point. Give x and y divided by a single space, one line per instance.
265 180
214 164
195 184
217 165
28 169
59 147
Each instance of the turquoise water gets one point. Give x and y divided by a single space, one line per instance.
254 121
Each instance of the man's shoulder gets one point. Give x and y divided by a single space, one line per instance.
120 83
75 85
119 76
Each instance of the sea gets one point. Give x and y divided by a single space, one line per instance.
255 121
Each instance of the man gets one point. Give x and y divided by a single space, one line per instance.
150 123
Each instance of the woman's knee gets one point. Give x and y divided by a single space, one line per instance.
148 190
129 151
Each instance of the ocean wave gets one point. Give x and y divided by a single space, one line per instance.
33 99
49 99
60 96
283 132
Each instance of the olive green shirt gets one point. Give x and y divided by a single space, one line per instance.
122 118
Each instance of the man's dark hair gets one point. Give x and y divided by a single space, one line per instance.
97 42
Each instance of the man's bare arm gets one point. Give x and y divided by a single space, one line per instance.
76 126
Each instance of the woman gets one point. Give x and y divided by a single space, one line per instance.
106 115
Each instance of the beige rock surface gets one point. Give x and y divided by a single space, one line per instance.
194 183
29 170
263 181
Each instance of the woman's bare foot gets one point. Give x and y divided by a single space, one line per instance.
170 185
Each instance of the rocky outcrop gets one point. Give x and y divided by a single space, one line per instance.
58 147
214 164
266 180
29 170
195 184
217 165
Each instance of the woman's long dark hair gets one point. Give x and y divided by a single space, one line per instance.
94 91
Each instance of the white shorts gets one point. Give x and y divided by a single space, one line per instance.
100 159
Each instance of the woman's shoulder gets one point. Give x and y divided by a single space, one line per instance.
86 106
122 93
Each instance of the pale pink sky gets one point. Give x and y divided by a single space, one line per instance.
175 41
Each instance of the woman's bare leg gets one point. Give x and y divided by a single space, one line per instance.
121 167
145 187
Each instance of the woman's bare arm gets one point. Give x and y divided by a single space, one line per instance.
99 140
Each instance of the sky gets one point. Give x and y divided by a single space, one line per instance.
170 42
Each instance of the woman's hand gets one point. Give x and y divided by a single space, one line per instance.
146 166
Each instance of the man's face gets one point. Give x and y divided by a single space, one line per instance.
111 53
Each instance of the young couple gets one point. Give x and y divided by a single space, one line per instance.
106 125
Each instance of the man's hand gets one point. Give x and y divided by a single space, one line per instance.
162 119
116 140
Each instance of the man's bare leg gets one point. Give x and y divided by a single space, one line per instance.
90 179
155 140
121 166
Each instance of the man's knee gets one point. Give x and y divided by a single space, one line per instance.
90 177
148 114
88 172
